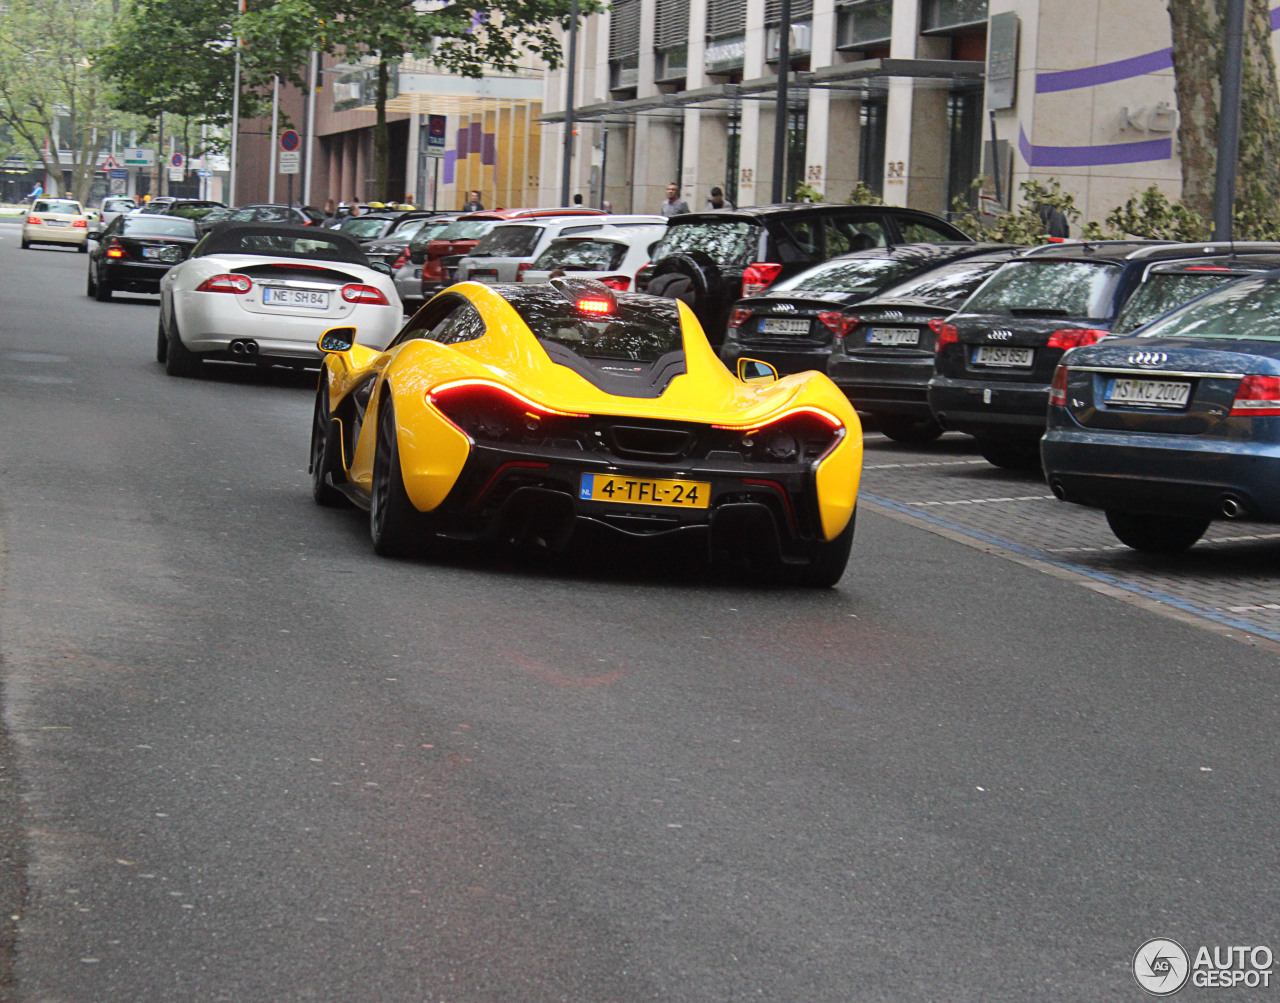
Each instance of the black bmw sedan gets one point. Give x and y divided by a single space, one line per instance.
133 253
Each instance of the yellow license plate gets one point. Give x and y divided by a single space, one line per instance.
637 491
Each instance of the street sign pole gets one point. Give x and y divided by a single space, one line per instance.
290 191
1224 194
435 186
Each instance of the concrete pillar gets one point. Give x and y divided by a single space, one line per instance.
818 146
350 189
756 157
897 144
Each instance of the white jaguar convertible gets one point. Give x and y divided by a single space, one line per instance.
265 294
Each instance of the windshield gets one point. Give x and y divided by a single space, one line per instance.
118 205
157 226
726 242
1249 309
581 255
847 275
364 227
1165 291
946 287
1051 288
635 332
509 242
472 230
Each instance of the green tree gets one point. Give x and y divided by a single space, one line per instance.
1024 225
468 39
50 90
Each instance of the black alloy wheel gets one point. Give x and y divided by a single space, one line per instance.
83 248
101 287
162 340
829 560
179 360
395 526
909 431
1010 455
1155 534
321 466
91 283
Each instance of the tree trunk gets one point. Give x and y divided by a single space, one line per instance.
381 141
1199 35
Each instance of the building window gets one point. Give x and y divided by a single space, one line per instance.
873 119
946 15
801 10
733 155
624 44
797 138
964 120
725 18
864 24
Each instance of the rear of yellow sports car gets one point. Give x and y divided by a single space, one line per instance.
512 435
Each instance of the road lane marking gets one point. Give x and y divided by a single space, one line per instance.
933 463
982 501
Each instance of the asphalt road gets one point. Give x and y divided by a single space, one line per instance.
248 760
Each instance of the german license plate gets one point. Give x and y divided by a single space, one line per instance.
999 355
893 336
151 252
638 491
1148 393
55 222
310 299
784 325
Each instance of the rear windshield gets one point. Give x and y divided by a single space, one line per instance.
191 210
509 242
848 275
118 205
1165 291
726 242
158 226
1048 288
471 230
945 287
1249 309
57 205
279 242
582 255
364 227
641 331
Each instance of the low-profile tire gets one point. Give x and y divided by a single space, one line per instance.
26 244
179 360
83 248
321 465
910 431
1155 534
1010 455
162 339
395 526
101 289
829 559
91 283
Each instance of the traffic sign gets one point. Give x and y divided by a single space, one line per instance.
289 141
177 174
109 164
204 174
290 162
177 160
119 172
436 135
139 157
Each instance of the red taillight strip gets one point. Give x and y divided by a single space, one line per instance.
544 408
826 416
786 499
1257 397
499 472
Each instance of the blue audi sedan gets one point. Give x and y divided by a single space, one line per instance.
1177 424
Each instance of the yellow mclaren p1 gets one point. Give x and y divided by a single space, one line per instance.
527 412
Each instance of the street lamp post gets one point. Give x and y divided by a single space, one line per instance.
1224 192
571 69
783 115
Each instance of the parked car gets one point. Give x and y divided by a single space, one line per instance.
265 292
1176 425
712 259
134 252
794 324
508 250
56 221
885 360
535 411
168 205
407 273
295 215
113 206
996 357
380 223
612 255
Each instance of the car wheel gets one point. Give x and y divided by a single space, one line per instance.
101 289
26 244
912 431
396 527
91 284
830 557
162 339
323 445
695 278
83 248
179 360
1010 455
1155 534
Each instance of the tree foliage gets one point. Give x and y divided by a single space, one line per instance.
1025 224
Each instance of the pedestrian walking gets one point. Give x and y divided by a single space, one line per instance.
718 201
674 205
473 204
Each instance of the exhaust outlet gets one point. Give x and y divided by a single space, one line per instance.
237 348
1232 507
250 348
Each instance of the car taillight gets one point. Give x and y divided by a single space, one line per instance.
80 222
225 283
758 277
739 316
1058 390
619 282
356 293
807 433
1257 397
34 220
401 261
841 324
116 250
483 410
1074 337
642 277
521 268
944 334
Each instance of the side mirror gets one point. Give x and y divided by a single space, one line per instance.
95 233
755 371
338 339
381 266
